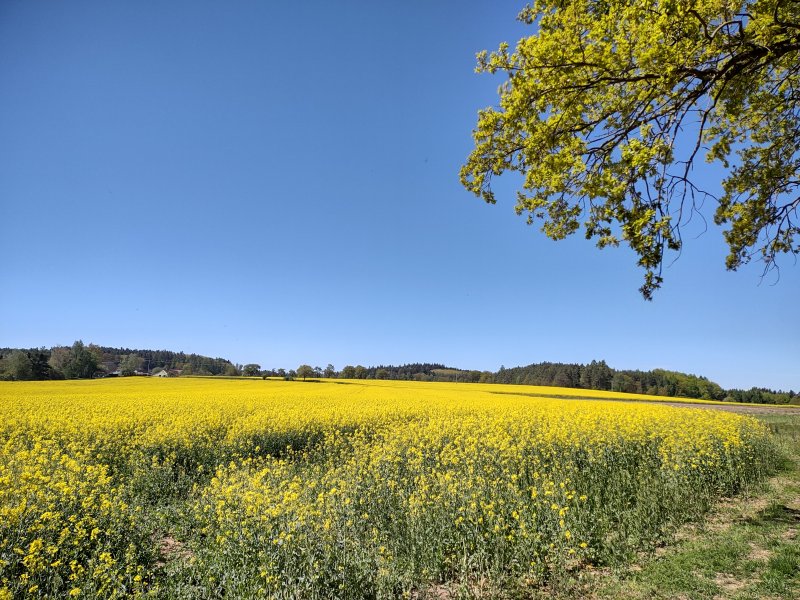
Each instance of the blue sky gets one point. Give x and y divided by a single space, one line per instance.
278 183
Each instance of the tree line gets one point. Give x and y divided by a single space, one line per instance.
86 361
597 375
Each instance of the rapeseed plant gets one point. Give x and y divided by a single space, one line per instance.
375 488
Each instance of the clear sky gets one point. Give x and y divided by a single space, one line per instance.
277 182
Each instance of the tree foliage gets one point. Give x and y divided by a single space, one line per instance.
17 366
81 362
597 375
130 364
305 371
609 105
251 370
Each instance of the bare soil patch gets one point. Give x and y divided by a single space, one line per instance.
171 549
729 583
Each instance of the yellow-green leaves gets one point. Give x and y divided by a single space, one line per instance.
610 102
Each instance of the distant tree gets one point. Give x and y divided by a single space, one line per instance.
360 372
281 372
596 376
381 374
251 370
17 366
99 356
330 371
348 372
622 382
291 374
59 357
41 367
472 376
81 363
305 371
231 371
130 363
562 380
317 371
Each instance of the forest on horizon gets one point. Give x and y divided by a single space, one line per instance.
81 361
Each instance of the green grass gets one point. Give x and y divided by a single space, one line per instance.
748 548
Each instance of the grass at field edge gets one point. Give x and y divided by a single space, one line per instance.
748 547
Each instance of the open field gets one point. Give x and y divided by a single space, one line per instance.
206 488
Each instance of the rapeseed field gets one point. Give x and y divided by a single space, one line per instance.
202 488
